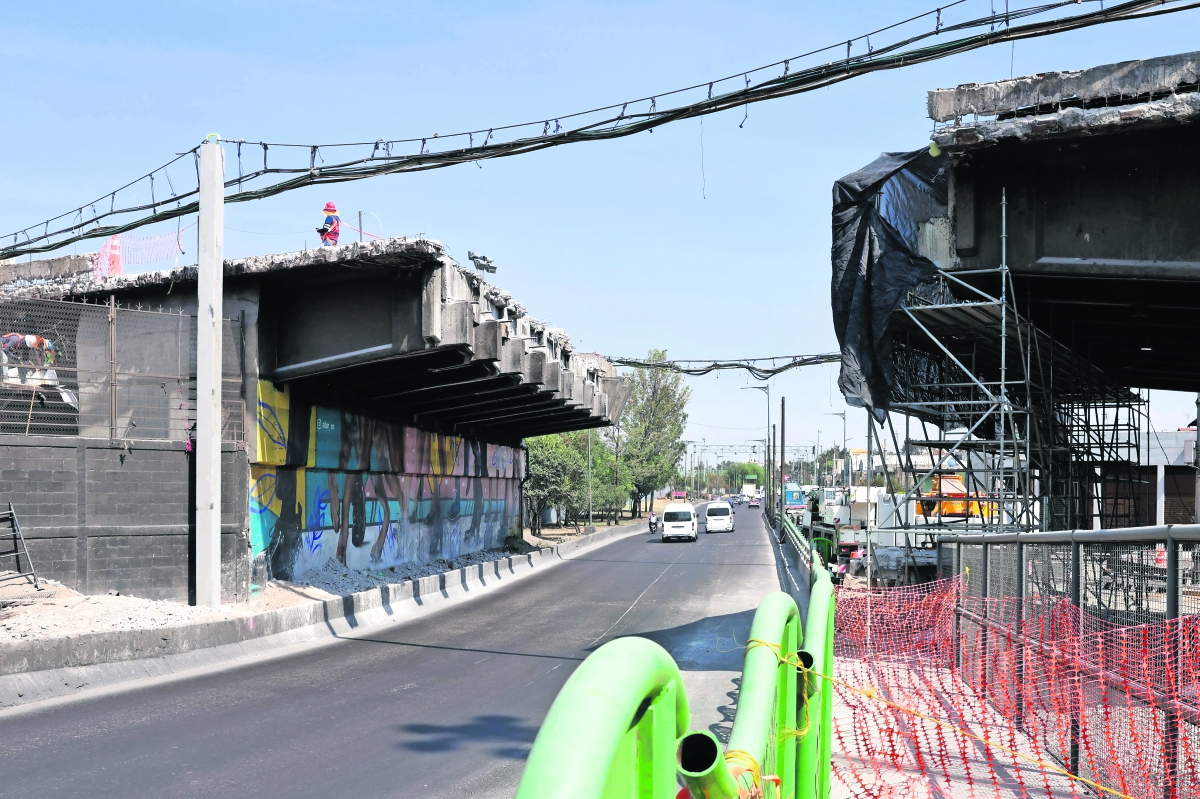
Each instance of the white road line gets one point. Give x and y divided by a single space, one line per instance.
639 599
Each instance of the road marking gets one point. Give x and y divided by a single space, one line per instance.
535 679
639 599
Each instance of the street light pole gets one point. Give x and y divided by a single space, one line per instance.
766 455
846 452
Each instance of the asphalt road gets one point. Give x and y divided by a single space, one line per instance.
446 705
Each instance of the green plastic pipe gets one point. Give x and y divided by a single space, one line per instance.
703 769
767 699
818 648
613 728
826 754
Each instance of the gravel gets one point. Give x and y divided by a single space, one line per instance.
58 611
339 580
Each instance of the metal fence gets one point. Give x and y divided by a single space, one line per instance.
103 371
1131 576
1037 605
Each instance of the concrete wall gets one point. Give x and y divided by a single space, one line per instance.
1108 200
330 484
99 516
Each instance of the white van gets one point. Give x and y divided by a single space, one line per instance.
679 521
718 517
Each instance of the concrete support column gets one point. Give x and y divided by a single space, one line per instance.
1160 503
209 313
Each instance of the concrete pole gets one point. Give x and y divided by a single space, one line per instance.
590 522
209 314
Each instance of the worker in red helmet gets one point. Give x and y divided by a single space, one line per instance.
331 228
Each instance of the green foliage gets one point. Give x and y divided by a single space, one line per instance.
555 470
558 478
651 430
735 475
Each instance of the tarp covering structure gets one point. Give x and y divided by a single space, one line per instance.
877 213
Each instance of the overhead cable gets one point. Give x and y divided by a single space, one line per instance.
85 222
759 368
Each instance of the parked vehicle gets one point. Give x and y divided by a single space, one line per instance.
718 517
679 521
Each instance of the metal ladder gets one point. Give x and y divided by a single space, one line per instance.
19 546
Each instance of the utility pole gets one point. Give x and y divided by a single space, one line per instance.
590 522
360 241
845 452
209 314
782 451
770 464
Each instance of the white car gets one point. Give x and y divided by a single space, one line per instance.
718 517
679 521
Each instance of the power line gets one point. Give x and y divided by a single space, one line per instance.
751 365
76 225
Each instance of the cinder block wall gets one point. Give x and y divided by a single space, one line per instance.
98 515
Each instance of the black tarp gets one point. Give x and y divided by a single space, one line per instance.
877 213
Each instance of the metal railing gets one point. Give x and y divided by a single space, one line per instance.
1125 577
1129 576
617 728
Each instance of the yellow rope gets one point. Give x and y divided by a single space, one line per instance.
873 693
742 762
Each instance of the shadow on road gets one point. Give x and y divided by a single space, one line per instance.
712 644
513 732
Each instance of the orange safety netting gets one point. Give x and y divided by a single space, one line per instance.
1006 696
121 251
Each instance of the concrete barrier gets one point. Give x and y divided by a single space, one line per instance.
53 668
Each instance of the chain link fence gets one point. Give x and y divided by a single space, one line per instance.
102 371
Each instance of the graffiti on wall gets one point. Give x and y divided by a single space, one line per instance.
332 484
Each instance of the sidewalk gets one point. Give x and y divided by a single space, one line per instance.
57 642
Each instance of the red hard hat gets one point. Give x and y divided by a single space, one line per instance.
330 208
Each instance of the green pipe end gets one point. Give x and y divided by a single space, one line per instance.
702 767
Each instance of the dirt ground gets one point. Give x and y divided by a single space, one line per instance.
57 610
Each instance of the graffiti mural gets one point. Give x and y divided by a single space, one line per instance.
331 484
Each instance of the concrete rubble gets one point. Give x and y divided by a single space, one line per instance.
1125 79
58 611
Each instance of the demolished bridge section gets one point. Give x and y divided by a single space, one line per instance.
375 399
1017 285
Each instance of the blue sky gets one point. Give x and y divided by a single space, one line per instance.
627 244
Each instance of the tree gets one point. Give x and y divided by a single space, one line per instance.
651 431
554 476
736 475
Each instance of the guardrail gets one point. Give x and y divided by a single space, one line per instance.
617 728
613 729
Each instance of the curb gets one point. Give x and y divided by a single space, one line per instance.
43 669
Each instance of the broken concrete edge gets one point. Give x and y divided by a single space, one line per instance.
1072 122
1127 78
44 669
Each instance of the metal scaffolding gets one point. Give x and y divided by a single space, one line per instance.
1021 434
